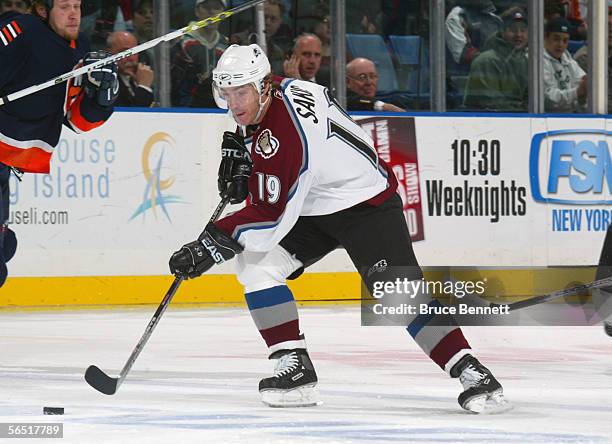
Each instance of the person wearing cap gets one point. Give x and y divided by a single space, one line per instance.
565 83
498 79
195 56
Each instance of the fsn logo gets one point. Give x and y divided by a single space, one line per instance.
571 167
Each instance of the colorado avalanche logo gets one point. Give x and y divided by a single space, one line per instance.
267 145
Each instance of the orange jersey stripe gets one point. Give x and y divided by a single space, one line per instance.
77 118
16 26
7 34
30 160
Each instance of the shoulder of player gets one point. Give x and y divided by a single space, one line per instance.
302 98
14 27
295 87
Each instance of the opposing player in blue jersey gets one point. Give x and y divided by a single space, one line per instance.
35 48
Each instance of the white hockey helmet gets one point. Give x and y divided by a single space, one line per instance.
240 65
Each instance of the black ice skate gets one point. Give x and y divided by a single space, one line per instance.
293 383
482 392
608 327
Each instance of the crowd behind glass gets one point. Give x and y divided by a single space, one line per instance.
388 65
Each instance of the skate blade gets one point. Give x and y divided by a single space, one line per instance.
305 396
488 404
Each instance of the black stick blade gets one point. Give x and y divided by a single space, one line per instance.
100 380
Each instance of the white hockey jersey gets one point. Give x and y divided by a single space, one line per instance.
309 158
561 81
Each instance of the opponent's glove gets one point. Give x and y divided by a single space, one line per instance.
235 169
212 247
102 83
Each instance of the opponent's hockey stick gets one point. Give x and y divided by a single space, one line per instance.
535 300
128 52
109 385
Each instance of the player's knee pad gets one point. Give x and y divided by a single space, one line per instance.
257 271
9 243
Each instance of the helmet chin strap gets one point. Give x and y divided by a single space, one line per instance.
261 107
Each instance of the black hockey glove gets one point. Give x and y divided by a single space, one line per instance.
101 84
235 169
212 247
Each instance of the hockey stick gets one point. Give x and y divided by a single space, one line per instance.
535 300
128 52
109 385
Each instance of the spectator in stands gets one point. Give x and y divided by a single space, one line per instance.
569 10
322 29
100 18
194 58
143 21
498 78
362 82
468 26
565 83
13 5
273 13
277 43
135 79
305 61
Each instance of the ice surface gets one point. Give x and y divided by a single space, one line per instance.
196 380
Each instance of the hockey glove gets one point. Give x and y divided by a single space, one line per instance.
235 169
212 247
101 84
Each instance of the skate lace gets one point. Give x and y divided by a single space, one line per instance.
286 364
471 376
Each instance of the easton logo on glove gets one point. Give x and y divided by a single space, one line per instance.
212 249
236 154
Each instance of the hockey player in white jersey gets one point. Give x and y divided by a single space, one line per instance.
315 183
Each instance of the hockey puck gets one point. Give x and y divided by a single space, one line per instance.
53 410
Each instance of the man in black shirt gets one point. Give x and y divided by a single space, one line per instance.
135 78
362 83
